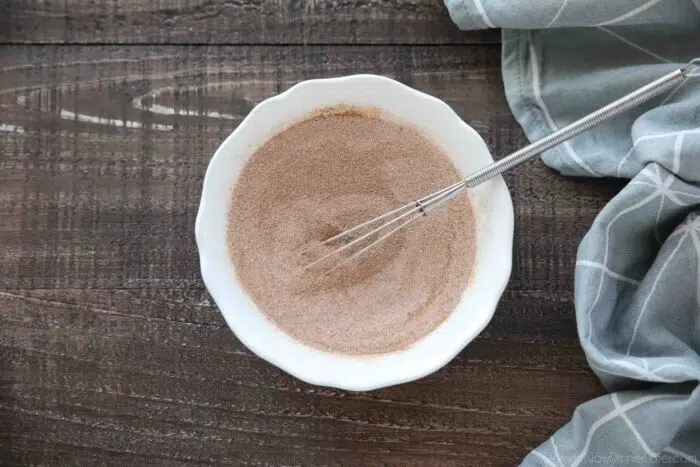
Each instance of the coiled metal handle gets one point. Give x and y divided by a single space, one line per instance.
653 89
393 221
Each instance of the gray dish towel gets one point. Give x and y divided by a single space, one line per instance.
637 289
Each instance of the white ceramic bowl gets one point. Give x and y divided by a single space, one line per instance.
397 102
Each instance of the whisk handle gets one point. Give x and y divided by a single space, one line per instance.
643 94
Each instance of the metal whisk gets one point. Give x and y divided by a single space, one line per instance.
399 218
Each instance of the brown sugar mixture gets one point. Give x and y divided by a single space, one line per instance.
322 176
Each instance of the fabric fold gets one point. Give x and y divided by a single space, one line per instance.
637 280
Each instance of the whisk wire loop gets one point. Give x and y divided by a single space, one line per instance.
405 215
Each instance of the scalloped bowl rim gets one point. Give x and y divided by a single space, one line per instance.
491 202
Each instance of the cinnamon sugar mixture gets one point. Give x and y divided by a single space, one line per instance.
322 176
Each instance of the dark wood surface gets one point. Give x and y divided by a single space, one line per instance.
233 22
112 352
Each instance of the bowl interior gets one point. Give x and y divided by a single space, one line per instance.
492 209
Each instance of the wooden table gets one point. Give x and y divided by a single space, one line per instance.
113 352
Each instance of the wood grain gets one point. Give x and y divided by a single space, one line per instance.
156 375
233 22
114 354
